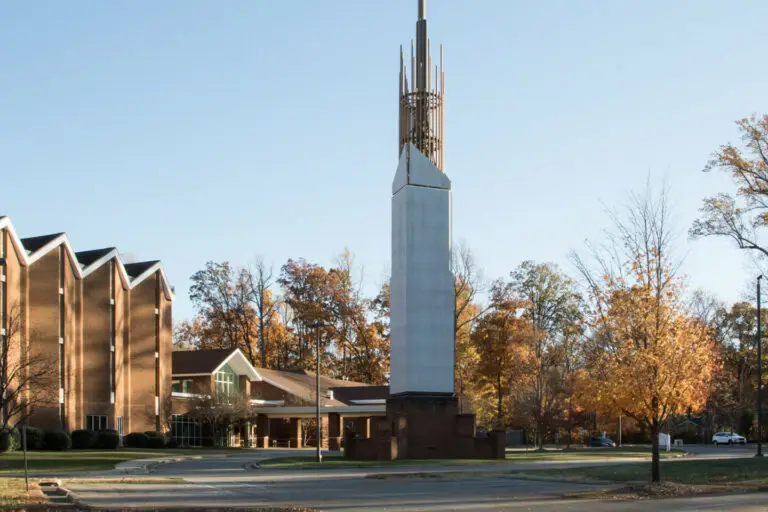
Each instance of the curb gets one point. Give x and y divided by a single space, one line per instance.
147 465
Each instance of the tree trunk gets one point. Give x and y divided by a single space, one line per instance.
570 433
655 467
499 411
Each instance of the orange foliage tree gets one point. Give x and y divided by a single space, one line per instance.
650 357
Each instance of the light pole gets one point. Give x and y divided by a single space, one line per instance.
759 375
318 437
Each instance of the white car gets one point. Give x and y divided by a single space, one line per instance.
728 438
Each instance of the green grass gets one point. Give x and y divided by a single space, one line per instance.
512 456
336 462
82 460
638 452
689 472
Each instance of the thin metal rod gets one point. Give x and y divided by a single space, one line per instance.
317 402
24 446
759 375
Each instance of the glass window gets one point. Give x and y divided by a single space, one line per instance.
226 381
96 423
186 431
176 386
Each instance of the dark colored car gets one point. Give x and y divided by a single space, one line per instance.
601 442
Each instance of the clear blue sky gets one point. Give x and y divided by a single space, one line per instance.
194 130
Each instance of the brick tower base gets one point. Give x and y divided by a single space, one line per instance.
424 426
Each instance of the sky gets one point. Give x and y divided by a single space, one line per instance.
191 130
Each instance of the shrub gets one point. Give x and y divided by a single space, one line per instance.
155 442
85 440
136 440
154 433
108 439
173 443
10 440
35 438
57 441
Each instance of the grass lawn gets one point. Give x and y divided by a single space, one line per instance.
13 493
339 462
690 472
638 452
84 460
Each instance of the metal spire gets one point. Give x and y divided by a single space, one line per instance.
421 98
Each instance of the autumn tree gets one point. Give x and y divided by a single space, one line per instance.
225 316
307 290
650 358
467 284
500 338
552 306
739 216
260 280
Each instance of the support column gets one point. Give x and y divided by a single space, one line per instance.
334 431
295 433
364 427
262 431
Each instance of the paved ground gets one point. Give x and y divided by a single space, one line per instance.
225 481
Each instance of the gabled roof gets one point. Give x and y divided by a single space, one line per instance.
302 384
354 394
208 362
35 243
136 269
86 258
33 248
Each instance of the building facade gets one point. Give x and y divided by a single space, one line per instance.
85 340
267 408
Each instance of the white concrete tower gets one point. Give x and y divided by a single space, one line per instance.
422 303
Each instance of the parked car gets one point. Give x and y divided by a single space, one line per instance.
728 438
601 442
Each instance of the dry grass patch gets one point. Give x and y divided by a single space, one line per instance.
13 493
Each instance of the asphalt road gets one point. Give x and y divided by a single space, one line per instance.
226 482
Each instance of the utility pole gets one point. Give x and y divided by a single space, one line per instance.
759 375
319 433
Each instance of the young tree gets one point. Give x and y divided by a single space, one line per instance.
650 358
724 215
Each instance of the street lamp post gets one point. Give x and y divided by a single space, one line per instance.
318 436
759 375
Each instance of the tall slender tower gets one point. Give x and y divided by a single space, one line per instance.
421 97
421 399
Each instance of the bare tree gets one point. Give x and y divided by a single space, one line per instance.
724 215
219 409
26 381
260 280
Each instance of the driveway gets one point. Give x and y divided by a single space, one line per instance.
219 481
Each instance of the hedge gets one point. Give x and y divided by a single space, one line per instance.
136 440
156 442
108 439
57 441
35 438
85 440
10 440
